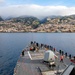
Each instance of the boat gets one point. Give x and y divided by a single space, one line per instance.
40 59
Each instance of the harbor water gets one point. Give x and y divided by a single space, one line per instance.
12 44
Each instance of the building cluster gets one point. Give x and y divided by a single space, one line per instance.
8 26
56 28
49 26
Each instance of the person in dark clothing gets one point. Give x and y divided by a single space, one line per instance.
74 57
60 51
37 44
31 42
23 53
34 49
70 56
54 49
66 54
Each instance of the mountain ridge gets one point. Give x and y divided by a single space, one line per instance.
33 24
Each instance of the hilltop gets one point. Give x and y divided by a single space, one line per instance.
33 24
28 21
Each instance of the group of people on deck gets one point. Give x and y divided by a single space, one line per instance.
47 47
36 45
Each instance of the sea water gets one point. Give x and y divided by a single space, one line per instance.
12 44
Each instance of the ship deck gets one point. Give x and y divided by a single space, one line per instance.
32 64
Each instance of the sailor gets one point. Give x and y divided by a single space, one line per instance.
60 52
37 44
70 56
66 54
54 49
31 42
74 57
34 48
41 45
61 58
23 53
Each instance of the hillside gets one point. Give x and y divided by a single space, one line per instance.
60 20
33 24
28 21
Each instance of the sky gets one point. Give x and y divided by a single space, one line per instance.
36 8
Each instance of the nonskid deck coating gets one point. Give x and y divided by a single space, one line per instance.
29 63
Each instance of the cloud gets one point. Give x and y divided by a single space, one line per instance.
35 10
2 1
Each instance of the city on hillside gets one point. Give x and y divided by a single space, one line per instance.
53 24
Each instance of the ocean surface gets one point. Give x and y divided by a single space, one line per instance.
11 45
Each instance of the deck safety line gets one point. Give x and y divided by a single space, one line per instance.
29 55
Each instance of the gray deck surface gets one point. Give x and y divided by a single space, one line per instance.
28 65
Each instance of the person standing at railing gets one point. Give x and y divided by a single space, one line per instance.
23 53
61 58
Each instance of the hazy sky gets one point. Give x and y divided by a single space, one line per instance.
37 8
